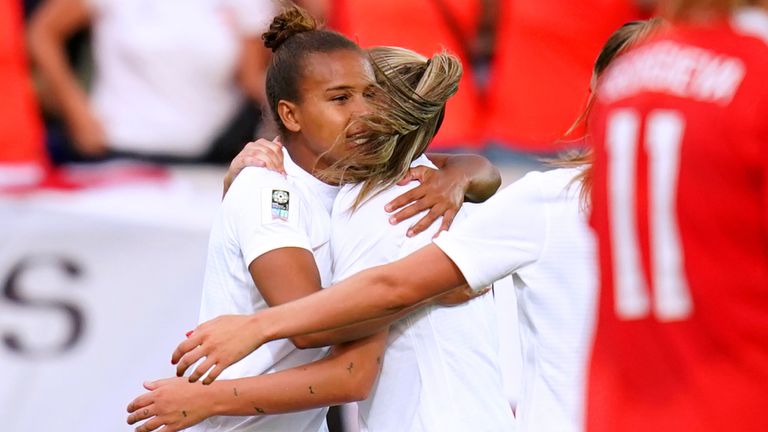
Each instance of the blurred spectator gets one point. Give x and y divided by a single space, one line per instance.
22 158
427 26
545 52
173 80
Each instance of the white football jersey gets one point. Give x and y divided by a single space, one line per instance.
536 230
264 211
440 371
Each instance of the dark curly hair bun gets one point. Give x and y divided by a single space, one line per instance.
292 21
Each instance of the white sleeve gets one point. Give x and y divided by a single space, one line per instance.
264 213
500 236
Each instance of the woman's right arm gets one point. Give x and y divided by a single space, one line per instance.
390 291
346 375
51 25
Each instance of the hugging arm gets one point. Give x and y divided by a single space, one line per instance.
371 294
495 247
282 275
346 375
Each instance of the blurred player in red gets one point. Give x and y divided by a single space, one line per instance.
680 207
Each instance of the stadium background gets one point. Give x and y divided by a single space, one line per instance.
101 263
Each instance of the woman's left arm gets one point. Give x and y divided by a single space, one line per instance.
346 375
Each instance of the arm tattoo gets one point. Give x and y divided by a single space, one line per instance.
235 390
349 368
259 410
184 413
311 391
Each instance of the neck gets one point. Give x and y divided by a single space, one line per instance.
303 156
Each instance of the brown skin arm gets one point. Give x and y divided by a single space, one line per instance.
282 275
346 375
371 294
50 27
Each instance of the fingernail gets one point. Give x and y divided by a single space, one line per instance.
189 333
387 208
409 233
392 220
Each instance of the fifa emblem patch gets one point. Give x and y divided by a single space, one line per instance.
280 201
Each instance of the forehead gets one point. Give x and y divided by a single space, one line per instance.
342 68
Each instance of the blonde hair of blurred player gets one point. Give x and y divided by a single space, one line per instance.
626 37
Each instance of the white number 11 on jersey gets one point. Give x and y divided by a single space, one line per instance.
663 137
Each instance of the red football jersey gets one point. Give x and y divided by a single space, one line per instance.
680 208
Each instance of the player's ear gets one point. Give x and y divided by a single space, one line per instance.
289 115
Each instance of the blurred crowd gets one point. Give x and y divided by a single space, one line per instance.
180 81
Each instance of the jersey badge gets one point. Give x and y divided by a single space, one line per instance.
280 202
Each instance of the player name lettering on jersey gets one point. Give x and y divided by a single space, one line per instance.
678 70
